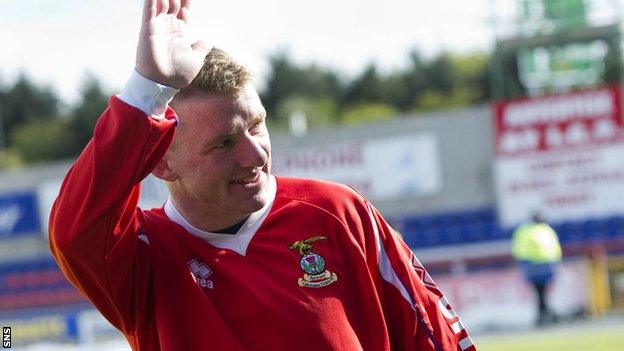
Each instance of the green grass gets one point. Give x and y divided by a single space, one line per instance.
575 339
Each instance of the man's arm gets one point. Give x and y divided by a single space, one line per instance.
418 314
95 222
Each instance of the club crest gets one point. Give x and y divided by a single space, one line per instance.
313 264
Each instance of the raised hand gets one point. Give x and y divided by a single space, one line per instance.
165 53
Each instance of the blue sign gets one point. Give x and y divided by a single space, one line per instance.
18 214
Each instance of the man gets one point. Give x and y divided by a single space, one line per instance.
536 247
237 259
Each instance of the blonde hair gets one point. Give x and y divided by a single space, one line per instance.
221 74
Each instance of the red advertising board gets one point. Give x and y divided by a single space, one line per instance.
560 121
561 155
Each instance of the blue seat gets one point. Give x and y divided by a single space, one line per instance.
468 218
615 226
489 215
410 237
571 232
495 232
593 228
451 235
428 238
474 233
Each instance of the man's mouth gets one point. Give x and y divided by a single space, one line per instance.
248 180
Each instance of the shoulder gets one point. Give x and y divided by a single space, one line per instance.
339 200
317 191
157 225
323 199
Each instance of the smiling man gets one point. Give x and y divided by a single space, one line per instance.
217 169
236 259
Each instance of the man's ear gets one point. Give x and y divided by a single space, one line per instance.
164 171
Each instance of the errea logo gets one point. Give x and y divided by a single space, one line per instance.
200 272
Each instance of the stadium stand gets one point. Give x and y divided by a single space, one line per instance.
481 225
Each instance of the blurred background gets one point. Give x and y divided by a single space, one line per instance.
457 119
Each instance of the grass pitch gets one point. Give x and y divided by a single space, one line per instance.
585 337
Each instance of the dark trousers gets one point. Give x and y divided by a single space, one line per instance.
544 312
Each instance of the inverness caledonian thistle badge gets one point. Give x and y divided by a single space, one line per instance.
316 276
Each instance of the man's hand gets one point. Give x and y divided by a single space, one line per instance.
165 53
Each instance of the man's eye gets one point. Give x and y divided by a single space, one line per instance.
223 144
256 127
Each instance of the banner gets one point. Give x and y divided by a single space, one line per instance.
383 169
35 283
79 324
499 299
560 155
18 214
50 327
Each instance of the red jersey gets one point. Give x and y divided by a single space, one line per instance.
317 269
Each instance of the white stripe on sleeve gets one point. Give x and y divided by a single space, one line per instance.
385 267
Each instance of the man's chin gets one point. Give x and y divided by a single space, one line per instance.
261 198
257 201
250 206
251 197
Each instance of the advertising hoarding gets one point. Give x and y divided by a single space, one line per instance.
560 155
18 214
383 169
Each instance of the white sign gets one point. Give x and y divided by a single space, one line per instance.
562 185
560 155
398 167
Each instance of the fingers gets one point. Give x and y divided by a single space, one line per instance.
184 15
149 9
174 7
162 6
186 4
184 10
178 8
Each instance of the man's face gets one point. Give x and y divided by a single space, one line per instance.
221 154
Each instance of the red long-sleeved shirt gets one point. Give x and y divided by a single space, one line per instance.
349 283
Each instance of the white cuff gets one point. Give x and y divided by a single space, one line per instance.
146 95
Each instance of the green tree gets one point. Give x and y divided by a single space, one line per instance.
42 140
318 110
441 73
372 87
25 102
368 112
367 87
9 158
414 80
453 81
86 113
287 79
472 74
58 137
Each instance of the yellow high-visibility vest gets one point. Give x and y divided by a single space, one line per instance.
536 243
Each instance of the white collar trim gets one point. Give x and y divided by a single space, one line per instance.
237 242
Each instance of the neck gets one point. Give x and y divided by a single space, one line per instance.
204 217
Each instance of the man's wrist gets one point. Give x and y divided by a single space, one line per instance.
147 95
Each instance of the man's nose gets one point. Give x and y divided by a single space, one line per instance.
252 153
